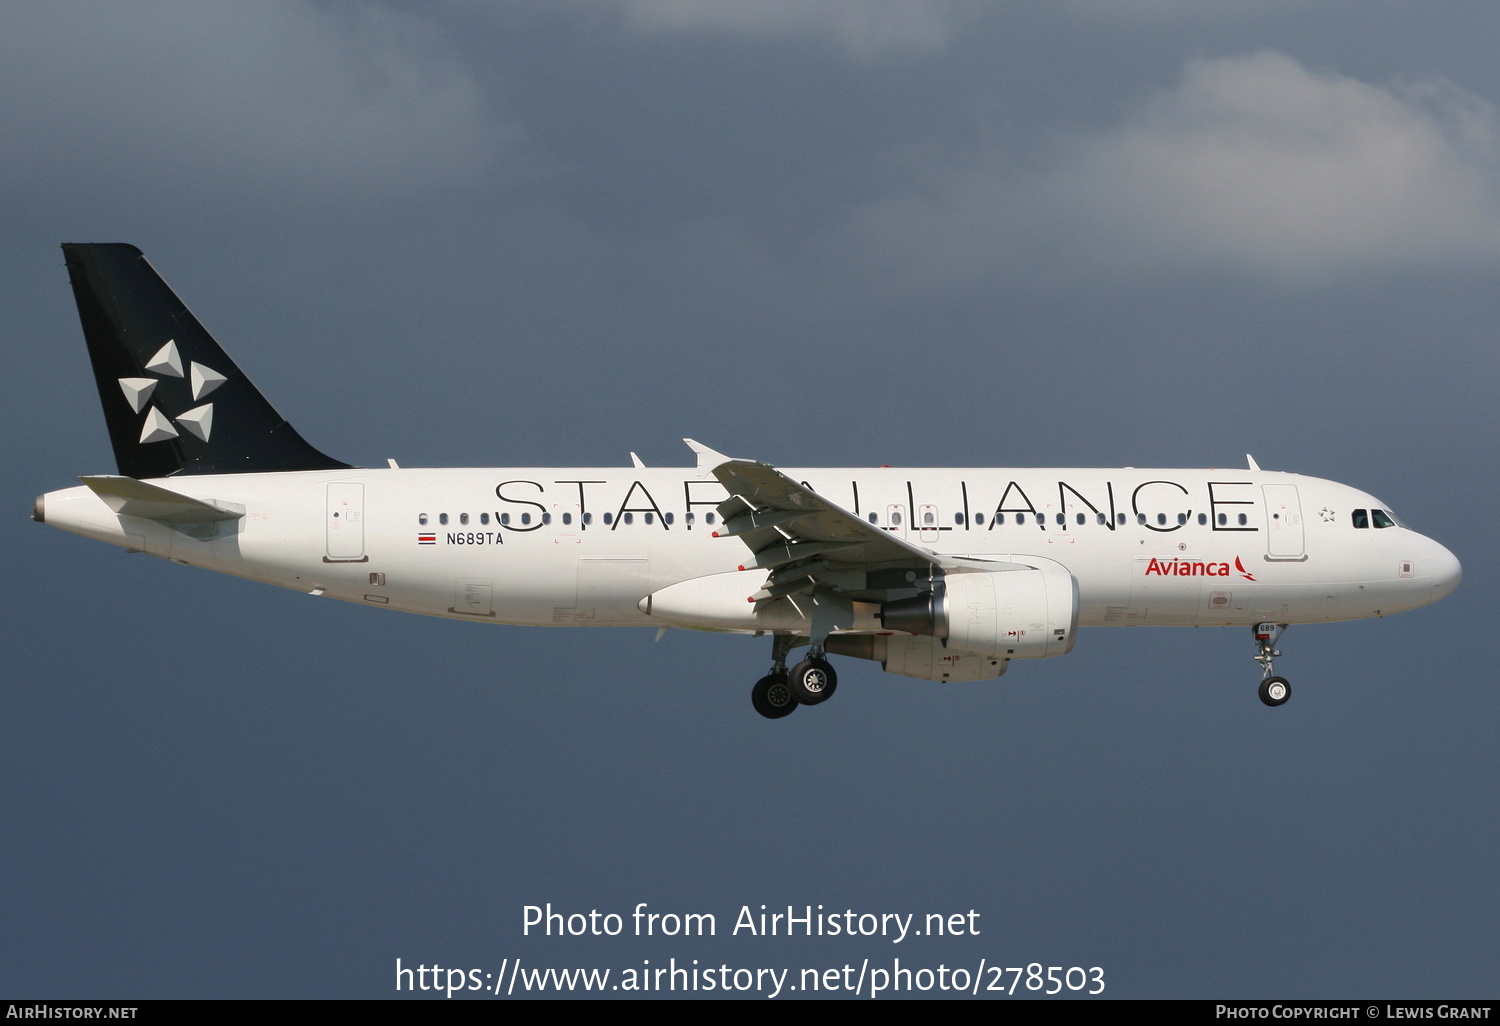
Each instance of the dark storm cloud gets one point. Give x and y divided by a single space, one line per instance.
862 29
284 100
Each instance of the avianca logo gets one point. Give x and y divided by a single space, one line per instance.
1175 567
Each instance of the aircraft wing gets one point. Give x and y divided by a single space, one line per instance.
803 539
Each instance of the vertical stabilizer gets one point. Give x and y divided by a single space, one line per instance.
174 402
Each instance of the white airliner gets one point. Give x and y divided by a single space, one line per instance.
937 574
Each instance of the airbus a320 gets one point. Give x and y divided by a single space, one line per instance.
936 574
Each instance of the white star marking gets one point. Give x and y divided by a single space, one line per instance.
205 379
138 391
166 360
158 428
199 420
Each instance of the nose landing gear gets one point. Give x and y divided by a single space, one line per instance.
1274 690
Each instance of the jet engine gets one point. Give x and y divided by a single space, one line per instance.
1013 614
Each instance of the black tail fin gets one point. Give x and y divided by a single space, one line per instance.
174 401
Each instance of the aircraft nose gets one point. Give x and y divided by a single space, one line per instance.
1446 571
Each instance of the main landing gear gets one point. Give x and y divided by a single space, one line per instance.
1273 690
779 692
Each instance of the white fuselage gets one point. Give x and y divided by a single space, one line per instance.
579 547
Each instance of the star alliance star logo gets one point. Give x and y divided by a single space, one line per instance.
1326 514
199 421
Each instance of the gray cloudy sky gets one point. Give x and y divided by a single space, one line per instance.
816 232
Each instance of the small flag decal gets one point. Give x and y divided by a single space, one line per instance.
426 539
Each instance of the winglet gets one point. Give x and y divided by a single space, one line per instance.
635 461
1251 460
708 459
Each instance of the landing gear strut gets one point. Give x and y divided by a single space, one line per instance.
1274 690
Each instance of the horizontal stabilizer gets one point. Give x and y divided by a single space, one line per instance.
132 498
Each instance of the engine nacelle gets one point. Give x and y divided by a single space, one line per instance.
1013 614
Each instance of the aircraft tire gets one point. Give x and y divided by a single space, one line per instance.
772 698
1275 691
813 681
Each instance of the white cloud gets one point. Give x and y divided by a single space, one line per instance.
284 97
862 28
1253 164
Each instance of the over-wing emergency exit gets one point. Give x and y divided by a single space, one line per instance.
936 574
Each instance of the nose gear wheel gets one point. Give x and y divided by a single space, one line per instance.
1274 690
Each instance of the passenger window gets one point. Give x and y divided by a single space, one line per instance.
648 519
567 518
928 518
688 517
979 518
1081 518
1140 518
442 518
999 518
667 518
630 518
1202 519
484 518
1062 521
505 519
1121 519
525 518
958 518
708 518
1243 520
1381 519
1161 519
422 518
609 518
896 519
1223 519
588 518
873 518
463 518
546 518
1181 519
1102 520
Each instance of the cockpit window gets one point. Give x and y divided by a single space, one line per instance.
1361 519
1381 518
